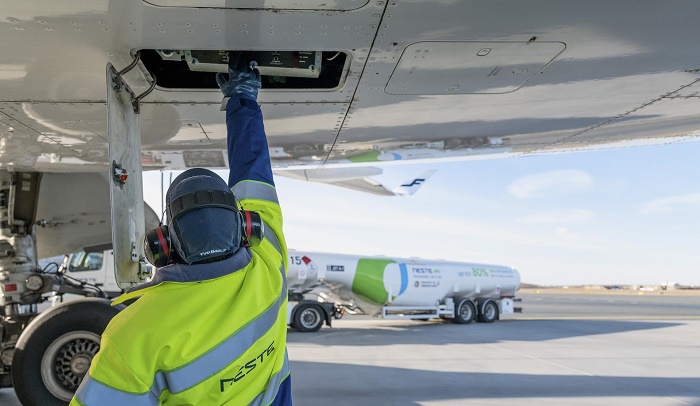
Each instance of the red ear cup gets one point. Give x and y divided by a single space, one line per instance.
156 246
161 232
253 228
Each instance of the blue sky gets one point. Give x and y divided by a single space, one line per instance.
616 216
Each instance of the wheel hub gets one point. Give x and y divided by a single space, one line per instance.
490 312
80 364
466 310
67 360
309 318
73 361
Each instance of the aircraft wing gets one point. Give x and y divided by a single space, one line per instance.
357 179
366 185
350 83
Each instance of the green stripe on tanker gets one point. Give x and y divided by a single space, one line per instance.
371 156
369 280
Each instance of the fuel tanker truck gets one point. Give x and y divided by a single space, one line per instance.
323 286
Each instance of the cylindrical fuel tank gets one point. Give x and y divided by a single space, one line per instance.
401 281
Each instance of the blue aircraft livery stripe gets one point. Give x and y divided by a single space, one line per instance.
404 278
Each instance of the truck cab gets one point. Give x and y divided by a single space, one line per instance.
94 268
89 267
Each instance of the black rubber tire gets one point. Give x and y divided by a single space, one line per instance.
308 318
464 312
488 311
78 323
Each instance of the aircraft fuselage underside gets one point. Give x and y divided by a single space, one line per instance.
398 81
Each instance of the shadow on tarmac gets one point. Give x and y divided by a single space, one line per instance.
8 398
443 333
317 383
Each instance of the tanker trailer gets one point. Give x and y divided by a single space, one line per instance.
400 287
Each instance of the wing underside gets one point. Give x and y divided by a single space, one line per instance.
381 81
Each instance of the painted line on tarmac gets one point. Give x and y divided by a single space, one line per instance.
679 401
546 361
664 317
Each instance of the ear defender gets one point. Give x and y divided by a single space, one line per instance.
157 246
253 228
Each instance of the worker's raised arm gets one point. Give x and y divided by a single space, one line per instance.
248 155
250 174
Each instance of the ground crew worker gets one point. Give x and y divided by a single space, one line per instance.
210 328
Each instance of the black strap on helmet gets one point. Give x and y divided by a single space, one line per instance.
199 199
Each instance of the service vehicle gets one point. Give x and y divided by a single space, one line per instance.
392 288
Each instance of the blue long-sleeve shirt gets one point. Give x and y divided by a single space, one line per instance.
248 154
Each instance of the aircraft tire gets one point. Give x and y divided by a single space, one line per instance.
55 350
464 312
488 311
308 318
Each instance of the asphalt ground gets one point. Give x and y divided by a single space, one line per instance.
565 349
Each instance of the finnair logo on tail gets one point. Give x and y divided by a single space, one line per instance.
410 187
415 182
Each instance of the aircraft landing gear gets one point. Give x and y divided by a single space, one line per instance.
45 356
17 261
54 352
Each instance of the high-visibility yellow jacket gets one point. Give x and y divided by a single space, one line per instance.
207 334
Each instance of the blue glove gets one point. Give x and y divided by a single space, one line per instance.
243 81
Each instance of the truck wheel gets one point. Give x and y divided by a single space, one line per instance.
464 312
489 312
308 318
54 352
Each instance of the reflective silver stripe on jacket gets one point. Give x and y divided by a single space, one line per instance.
221 356
247 189
273 385
272 238
92 392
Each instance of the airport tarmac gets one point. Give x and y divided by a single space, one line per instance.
564 349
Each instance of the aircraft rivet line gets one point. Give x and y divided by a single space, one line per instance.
666 95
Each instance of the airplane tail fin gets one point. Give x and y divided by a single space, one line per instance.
411 186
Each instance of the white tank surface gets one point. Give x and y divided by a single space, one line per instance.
385 281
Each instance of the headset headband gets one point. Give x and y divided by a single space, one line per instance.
199 199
